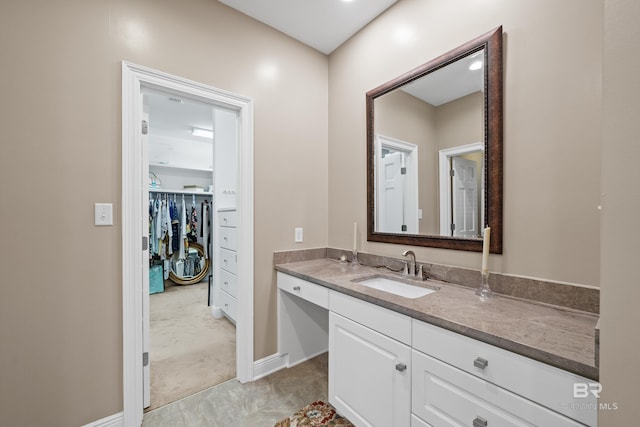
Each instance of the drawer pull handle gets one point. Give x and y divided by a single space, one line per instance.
296 288
480 422
480 363
401 367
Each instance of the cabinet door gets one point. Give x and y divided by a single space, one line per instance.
369 375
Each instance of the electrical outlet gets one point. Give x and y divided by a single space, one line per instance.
103 214
298 235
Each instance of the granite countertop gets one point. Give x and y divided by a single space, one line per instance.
557 336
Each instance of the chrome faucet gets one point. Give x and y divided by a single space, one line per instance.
412 263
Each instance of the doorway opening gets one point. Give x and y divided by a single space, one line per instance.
189 150
135 222
396 186
461 171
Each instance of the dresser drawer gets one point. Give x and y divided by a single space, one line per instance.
446 396
227 218
228 282
228 304
228 260
418 422
319 295
228 238
544 384
385 321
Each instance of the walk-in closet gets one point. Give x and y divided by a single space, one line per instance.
190 147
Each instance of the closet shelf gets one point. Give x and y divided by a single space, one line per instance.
185 168
170 191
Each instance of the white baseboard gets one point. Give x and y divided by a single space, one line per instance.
115 420
269 365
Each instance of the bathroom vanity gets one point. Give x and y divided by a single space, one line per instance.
442 359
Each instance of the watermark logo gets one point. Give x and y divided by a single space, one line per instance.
587 391
583 390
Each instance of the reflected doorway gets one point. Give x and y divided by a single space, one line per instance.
461 191
396 186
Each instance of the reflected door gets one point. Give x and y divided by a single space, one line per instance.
465 197
393 193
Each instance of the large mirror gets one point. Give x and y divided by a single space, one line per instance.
434 151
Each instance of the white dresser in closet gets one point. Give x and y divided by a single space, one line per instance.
227 261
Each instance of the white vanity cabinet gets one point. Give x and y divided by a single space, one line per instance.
387 369
369 372
303 319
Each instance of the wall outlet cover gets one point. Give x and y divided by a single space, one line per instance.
298 235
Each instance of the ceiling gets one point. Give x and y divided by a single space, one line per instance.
322 24
172 116
451 82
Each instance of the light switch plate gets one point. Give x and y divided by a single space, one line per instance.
103 214
298 237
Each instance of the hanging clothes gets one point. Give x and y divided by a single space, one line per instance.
193 225
152 228
183 231
206 225
169 234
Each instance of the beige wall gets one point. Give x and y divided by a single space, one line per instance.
460 122
61 303
620 317
552 104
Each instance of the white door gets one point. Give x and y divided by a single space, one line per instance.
391 191
369 375
465 197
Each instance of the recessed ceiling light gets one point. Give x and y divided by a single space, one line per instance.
476 65
204 133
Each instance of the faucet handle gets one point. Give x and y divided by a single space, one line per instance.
405 269
419 272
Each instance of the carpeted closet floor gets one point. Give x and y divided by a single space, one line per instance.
189 349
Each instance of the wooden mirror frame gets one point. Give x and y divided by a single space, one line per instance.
491 42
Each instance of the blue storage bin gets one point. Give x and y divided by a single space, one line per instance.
156 279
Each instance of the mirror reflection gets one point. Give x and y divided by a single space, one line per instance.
429 158
434 151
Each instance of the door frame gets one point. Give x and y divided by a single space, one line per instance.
411 150
134 184
444 181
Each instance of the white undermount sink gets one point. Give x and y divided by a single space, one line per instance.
394 286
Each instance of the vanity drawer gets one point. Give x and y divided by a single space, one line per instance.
387 322
228 260
446 396
319 295
228 282
227 218
228 238
544 384
228 304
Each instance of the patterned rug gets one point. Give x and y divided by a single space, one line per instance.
317 414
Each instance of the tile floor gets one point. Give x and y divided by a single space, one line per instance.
261 403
